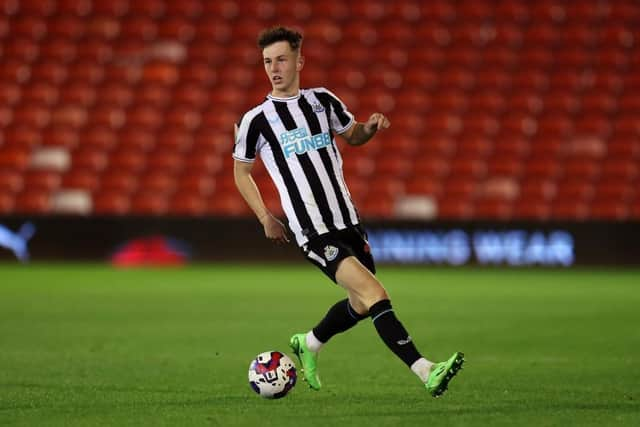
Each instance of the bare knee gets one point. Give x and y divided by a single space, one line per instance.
363 287
367 297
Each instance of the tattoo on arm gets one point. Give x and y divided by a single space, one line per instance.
359 135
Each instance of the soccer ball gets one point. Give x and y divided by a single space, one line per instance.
272 374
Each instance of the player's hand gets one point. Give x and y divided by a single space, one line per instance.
376 122
274 229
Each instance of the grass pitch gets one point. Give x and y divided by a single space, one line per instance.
88 345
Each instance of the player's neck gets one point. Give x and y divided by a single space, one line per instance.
289 93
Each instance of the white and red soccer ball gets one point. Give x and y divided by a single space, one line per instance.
272 374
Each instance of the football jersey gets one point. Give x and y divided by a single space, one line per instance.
294 138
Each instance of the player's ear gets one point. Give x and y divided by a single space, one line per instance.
300 63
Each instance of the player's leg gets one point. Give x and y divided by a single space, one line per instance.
340 317
367 295
325 252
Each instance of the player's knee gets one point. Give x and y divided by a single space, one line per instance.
374 295
367 296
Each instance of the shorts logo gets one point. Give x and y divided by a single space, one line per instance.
330 252
318 108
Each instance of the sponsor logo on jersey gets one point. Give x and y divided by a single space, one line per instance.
299 141
330 252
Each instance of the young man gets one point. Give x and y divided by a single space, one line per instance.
292 130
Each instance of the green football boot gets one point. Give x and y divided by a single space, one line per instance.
308 360
442 373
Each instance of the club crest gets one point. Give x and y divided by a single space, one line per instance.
330 252
318 108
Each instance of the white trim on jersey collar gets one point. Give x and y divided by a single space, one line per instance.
289 98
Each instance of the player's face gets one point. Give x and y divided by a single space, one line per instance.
283 66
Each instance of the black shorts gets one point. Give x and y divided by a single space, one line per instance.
327 250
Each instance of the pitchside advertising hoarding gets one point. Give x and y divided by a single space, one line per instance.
158 239
457 246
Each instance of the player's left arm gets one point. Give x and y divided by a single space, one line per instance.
359 133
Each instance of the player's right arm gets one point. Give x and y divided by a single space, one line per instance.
273 228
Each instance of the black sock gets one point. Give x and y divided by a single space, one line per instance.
338 319
394 335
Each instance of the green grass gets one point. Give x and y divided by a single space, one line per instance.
84 345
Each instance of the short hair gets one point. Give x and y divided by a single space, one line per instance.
277 34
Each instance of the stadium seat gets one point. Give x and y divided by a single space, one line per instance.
378 207
570 210
11 181
609 210
98 137
492 209
127 160
431 166
111 203
81 179
42 180
16 157
450 208
149 203
89 158
424 186
528 208
227 204
36 201
200 184
187 204
118 181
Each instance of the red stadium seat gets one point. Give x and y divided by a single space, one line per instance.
81 179
393 166
492 209
149 203
531 209
424 185
33 202
187 204
570 210
40 94
609 210
42 181
65 26
117 181
431 166
11 181
151 8
14 158
89 158
7 202
451 208
462 189
200 184
377 206
158 182
575 190
227 204
127 160
111 203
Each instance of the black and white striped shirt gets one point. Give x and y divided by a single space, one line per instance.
294 137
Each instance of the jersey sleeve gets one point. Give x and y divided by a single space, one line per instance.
246 140
340 117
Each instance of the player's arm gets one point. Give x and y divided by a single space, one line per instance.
273 228
359 133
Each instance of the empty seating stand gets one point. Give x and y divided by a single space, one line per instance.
499 109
